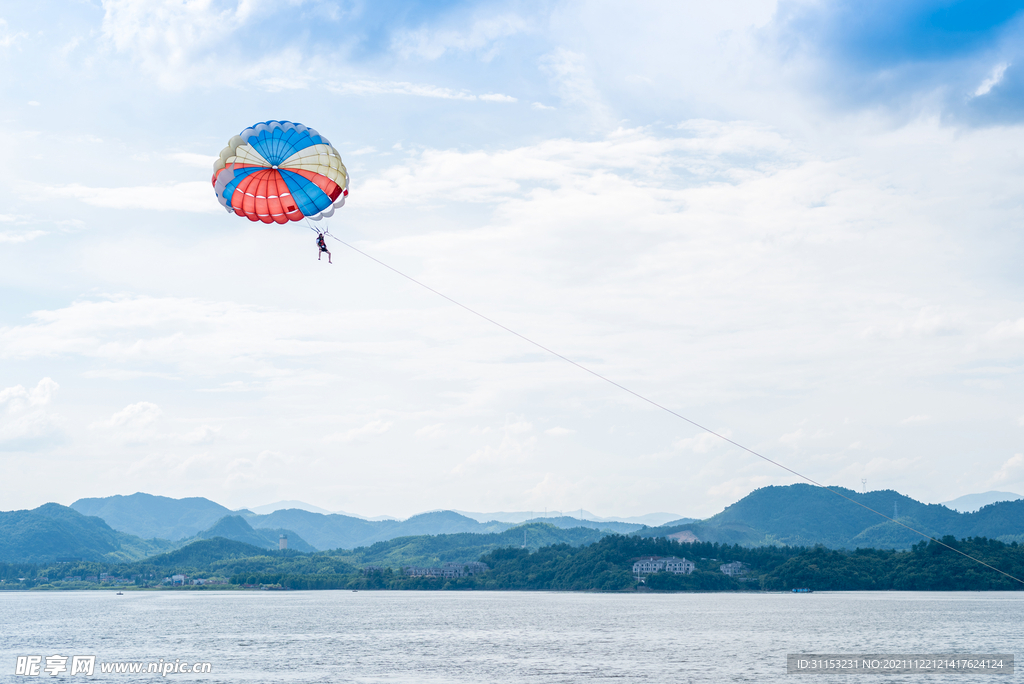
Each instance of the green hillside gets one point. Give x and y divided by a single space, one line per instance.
223 557
179 520
236 528
601 565
53 531
927 567
794 515
345 532
322 531
148 516
805 515
201 554
998 520
464 546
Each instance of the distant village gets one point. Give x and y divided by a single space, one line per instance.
642 568
648 565
445 571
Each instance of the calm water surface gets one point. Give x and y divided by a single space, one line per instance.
507 637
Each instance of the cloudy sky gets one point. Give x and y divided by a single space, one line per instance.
798 223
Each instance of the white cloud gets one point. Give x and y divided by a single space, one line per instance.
179 42
122 374
18 398
541 106
929 321
627 158
14 396
1011 471
992 80
195 196
799 436
497 97
132 417
734 488
426 43
14 238
374 427
553 488
30 432
1007 330
518 427
29 426
433 431
234 386
196 336
569 73
912 420
516 447
199 161
700 444
725 266
201 435
645 251
366 87
241 473
559 432
8 38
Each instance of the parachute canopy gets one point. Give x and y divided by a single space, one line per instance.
279 171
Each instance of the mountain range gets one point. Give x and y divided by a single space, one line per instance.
805 515
141 525
302 505
148 516
236 528
499 516
969 503
52 532
523 516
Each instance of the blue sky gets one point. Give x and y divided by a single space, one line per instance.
798 223
962 54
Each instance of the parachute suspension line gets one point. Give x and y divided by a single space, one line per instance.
668 410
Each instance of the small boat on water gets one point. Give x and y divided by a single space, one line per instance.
803 590
120 593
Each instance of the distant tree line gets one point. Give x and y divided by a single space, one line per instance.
928 566
605 565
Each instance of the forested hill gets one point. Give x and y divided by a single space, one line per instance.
804 515
464 546
344 532
236 528
795 515
604 565
52 531
179 520
148 516
226 557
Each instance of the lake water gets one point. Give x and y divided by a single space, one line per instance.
506 637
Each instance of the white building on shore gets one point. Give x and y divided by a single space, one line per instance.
648 565
448 570
735 569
